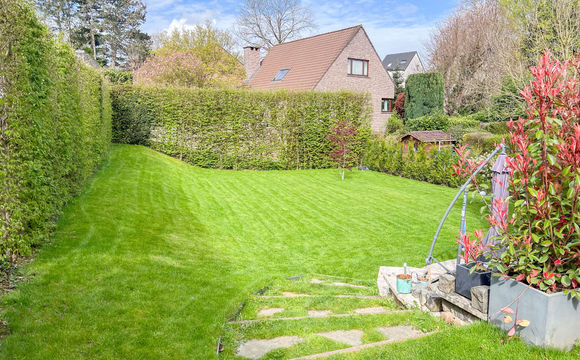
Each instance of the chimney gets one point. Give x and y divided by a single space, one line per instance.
251 60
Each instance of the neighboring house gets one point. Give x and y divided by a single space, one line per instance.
429 138
407 63
339 60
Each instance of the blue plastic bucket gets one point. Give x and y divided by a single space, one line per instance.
404 285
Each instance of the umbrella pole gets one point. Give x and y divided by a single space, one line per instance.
462 227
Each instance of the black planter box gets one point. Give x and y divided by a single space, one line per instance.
464 281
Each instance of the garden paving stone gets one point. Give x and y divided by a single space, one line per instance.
269 311
371 310
349 337
397 333
255 349
319 313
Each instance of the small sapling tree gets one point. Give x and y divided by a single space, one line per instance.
342 138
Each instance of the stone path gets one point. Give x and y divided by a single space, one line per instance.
349 337
320 282
316 316
270 311
255 349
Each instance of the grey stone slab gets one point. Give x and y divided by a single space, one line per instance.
480 298
292 294
349 285
319 313
399 333
255 349
270 311
349 337
371 310
447 283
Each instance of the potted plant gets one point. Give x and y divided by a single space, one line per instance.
473 272
538 255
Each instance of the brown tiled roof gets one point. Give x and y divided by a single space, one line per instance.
429 135
308 60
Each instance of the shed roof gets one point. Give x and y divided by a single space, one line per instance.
429 135
307 60
398 61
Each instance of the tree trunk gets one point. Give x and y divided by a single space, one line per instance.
93 45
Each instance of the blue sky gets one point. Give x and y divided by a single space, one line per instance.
393 26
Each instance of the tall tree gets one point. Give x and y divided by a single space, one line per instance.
545 24
473 49
201 56
60 15
121 20
267 23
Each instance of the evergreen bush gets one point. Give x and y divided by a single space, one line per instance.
424 94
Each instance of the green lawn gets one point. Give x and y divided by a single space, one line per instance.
155 255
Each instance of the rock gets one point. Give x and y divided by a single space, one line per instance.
371 310
319 313
269 311
480 298
397 333
432 302
255 349
418 288
349 337
349 285
447 283
316 281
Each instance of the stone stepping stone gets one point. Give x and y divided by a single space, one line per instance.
255 349
323 295
292 294
317 281
398 333
358 348
349 337
319 313
371 310
314 317
270 311
349 285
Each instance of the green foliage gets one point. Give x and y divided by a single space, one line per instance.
434 166
118 77
238 129
433 121
424 94
395 125
481 141
55 127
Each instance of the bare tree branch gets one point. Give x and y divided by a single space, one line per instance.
266 23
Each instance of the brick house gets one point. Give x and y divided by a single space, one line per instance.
430 138
407 63
339 60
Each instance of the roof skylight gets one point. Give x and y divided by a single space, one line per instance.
280 75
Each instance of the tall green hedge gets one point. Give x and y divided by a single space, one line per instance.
237 129
424 94
55 127
435 166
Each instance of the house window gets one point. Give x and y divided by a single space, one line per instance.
280 75
387 105
358 67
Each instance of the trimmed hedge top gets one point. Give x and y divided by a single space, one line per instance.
237 129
